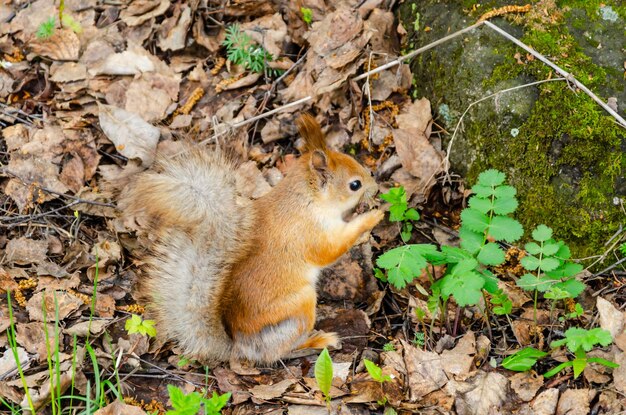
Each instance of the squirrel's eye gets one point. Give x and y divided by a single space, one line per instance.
355 185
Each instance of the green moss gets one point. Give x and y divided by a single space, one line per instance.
566 161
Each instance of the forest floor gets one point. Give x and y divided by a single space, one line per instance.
90 101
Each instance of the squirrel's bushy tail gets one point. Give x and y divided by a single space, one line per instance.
195 225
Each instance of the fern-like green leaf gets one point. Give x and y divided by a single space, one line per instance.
542 233
474 220
506 229
491 254
491 177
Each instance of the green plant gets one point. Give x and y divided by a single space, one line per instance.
191 403
138 325
579 342
376 372
241 51
523 360
307 15
577 312
46 28
419 339
502 303
389 347
324 373
483 222
554 275
622 248
399 211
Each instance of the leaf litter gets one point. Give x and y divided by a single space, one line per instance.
128 80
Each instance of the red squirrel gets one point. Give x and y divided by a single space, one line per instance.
231 278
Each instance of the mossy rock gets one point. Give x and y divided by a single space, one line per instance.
561 150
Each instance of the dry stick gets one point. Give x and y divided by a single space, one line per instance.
398 61
561 71
569 77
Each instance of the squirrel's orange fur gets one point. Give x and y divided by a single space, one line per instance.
228 277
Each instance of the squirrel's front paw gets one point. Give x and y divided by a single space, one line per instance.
372 218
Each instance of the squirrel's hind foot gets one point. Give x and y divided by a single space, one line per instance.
320 340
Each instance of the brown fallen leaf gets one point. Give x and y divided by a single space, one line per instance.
268 392
119 408
31 336
425 371
24 251
63 45
575 402
173 33
544 404
140 11
611 318
133 137
526 384
268 31
250 181
458 362
481 394
58 303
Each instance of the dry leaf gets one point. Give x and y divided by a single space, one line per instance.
174 38
267 392
250 181
575 402
63 45
482 394
140 11
526 384
425 371
58 303
132 136
32 337
24 251
611 318
119 408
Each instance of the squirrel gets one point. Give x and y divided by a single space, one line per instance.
230 278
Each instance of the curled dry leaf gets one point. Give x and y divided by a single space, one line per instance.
268 392
7 362
129 62
63 45
250 181
133 137
418 157
173 34
32 337
119 408
140 11
68 72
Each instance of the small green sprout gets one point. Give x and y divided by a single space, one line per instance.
324 373
137 325
190 404
307 15
46 29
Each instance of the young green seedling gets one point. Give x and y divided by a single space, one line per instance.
324 373
137 325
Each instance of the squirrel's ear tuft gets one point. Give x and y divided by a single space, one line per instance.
311 131
319 164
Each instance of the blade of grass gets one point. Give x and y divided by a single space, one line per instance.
44 311
93 296
13 344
